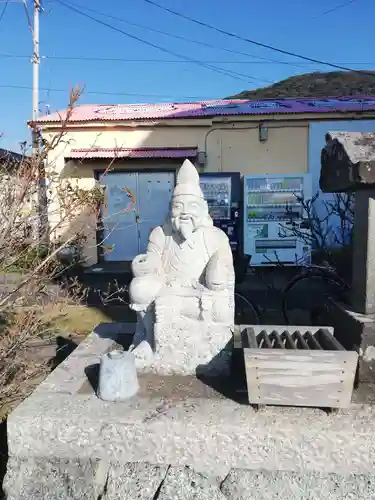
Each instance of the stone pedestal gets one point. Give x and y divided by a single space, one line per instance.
188 347
354 324
363 280
348 164
180 438
354 331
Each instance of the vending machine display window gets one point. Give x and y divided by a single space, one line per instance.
222 191
272 206
217 193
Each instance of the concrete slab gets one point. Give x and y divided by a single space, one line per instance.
182 421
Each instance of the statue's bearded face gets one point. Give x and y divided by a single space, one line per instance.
188 213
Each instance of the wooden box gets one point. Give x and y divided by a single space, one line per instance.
297 366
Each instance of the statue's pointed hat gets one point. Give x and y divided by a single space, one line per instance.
187 182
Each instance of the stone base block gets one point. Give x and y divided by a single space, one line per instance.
248 485
40 479
188 347
355 332
172 423
37 479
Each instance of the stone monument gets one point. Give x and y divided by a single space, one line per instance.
348 165
183 289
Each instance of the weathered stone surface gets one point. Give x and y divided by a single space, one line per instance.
58 479
183 432
183 483
134 481
247 485
348 161
187 347
216 474
363 282
43 479
355 332
174 421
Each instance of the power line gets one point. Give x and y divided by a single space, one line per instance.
159 61
186 39
233 74
4 9
29 23
121 59
253 42
336 8
128 94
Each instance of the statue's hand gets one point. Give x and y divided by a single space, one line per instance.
145 264
217 272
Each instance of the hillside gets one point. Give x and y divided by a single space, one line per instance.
334 83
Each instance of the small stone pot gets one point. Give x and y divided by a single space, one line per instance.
118 379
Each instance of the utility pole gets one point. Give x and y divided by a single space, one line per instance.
35 62
42 189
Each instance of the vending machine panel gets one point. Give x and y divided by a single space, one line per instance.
272 205
222 192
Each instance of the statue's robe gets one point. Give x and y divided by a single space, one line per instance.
184 263
195 280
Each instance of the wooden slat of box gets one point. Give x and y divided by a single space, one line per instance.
300 377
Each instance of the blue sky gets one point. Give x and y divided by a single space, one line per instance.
342 36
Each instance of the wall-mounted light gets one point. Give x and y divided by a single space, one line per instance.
263 132
201 158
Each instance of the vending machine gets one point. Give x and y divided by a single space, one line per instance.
222 191
273 205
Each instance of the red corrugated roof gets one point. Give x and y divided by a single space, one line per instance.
144 153
209 109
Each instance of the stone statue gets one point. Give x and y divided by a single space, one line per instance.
184 281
